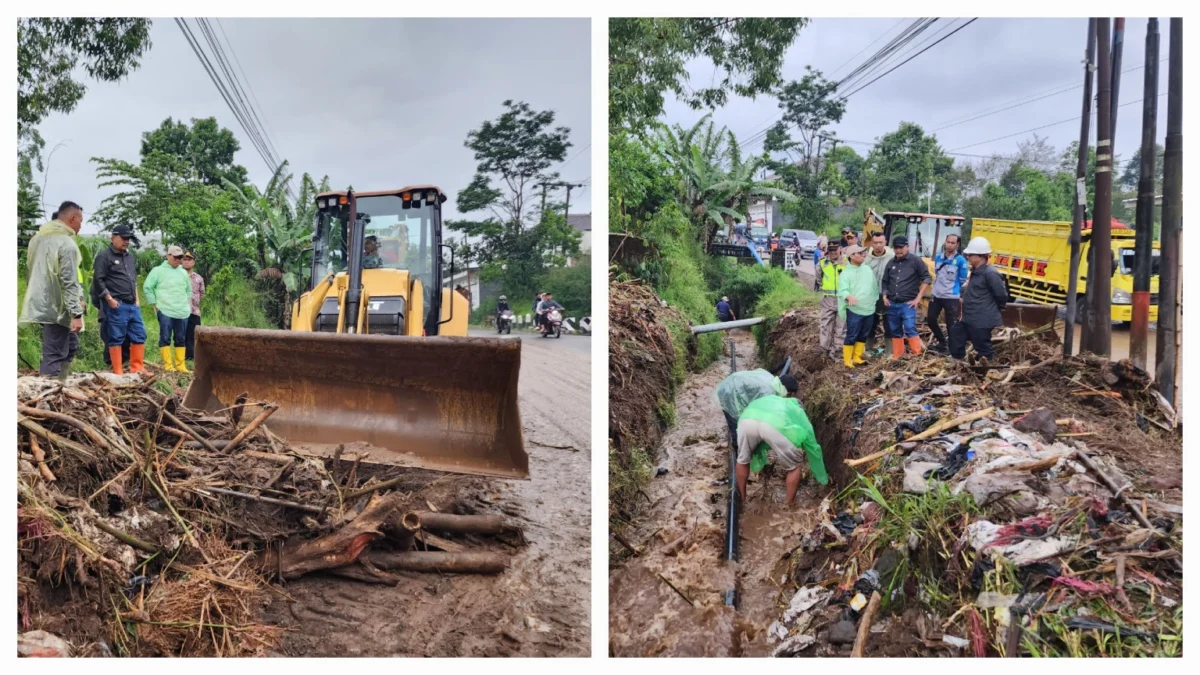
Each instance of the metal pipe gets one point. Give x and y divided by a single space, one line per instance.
355 255
731 517
726 325
1144 235
1169 276
1100 272
1078 211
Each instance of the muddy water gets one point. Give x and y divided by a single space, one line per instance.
540 606
681 536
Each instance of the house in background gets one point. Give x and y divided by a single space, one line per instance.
583 224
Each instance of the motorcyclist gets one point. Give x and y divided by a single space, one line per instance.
502 304
544 308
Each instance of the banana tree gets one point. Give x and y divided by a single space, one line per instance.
733 192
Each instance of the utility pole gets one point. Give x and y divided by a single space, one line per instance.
1169 304
1118 49
1144 235
1100 272
543 197
1079 211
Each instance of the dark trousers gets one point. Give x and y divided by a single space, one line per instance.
169 328
858 327
980 338
879 318
193 321
950 306
59 346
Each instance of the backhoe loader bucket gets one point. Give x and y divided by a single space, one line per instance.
442 403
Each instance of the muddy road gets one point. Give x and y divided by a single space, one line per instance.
682 536
540 606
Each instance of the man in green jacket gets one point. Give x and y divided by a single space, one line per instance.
857 292
54 296
168 288
737 391
780 425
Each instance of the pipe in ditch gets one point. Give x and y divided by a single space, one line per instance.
439 561
726 325
450 522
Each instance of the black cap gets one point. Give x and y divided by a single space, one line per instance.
789 383
900 241
123 231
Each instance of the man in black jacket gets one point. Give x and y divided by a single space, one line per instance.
114 285
905 281
983 298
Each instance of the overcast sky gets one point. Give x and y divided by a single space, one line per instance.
376 103
988 65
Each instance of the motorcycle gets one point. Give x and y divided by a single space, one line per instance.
552 324
504 322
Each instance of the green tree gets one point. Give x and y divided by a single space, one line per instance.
647 58
904 163
202 223
639 183
29 201
205 148
516 151
51 52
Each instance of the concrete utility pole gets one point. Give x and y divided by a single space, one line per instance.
1144 241
1100 272
1118 49
1169 297
1080 210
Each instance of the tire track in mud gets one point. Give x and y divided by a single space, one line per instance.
682 540
540 606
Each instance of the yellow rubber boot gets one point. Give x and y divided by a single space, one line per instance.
168 359
848 355
181 360
859 349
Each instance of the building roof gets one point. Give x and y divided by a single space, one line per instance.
580 221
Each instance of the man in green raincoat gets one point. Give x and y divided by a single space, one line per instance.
54 297
779 426
736 392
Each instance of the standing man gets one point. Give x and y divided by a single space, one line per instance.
831 330
906 279
114 277
950 273
725 310
856 297
189 264
984 297
782 426
169 288
54 297
877 259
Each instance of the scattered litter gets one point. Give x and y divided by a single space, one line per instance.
1086 623
954 641
40 644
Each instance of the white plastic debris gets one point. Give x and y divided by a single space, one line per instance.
40 644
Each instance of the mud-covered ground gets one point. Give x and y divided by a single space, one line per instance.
538 607
682 538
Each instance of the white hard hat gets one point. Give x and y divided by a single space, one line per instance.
978 246
725 298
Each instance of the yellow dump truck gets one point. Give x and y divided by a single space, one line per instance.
1035 258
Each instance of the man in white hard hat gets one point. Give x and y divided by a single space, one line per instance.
725 310
982 299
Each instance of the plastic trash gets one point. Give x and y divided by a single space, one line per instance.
1085 623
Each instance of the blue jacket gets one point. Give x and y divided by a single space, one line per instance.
723 309
949 275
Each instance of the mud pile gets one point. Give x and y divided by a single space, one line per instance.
1030 506
641 361
146 529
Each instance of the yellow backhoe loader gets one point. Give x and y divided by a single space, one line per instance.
377 358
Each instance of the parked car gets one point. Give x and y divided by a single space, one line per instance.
807 239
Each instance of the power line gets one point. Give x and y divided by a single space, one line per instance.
948 36
577 154
1022 103
238 62
243 119
1044 126
880 60
872 44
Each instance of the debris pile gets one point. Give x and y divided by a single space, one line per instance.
1027 506
146 529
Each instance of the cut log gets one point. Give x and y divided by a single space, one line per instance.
437 561
340 548
450 522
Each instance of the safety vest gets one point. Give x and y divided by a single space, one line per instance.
829 276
